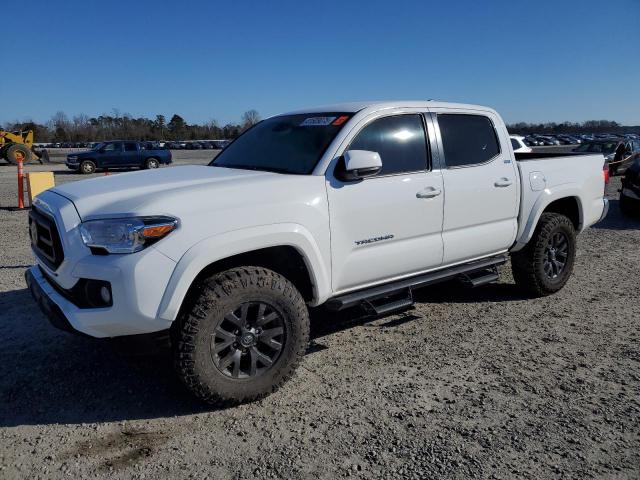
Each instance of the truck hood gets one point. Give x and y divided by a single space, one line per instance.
166 189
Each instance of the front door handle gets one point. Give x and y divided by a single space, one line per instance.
428 192
503 182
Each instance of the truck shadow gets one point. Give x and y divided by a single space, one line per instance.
51 377
324 322
48 376
615 220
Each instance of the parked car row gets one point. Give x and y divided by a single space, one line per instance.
619 152
538 140
198 145
151 145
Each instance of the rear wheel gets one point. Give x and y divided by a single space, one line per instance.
87 167
243 336
545 264
151 163
16 152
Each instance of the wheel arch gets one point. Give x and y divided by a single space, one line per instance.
293 254
566 202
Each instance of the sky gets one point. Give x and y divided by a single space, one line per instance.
533 61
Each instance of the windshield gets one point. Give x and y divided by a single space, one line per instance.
601 147
98 146
284 144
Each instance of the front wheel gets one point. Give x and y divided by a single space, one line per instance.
242 337
87 167
545 264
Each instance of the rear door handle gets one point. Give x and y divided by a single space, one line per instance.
503 182
428 192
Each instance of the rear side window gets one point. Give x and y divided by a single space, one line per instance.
467 139
399 140
130 147
515 144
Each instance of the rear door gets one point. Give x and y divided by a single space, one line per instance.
131 155
480 184
388 225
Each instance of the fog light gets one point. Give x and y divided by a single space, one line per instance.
105 295
98 294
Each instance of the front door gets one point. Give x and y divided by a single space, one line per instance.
480 183
110 154
388 225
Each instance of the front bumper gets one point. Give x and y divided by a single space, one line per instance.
137 281
41 292
137 293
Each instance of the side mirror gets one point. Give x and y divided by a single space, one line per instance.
359 164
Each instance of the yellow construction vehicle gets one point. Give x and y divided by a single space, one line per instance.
15 145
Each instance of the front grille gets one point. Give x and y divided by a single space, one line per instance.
45 239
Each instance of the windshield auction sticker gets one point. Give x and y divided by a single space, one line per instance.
317 121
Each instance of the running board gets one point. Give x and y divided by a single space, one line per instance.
393 303
378 294
481 277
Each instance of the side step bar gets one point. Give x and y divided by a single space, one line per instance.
384 298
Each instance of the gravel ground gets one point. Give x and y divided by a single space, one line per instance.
469 384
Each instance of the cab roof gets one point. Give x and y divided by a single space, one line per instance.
353 107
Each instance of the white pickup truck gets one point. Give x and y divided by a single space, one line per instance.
352 205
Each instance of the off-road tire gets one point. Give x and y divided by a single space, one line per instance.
15 149
214 298
87 167
151 163
527 264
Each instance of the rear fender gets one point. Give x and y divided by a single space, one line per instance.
546 197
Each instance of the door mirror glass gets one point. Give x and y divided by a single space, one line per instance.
359 164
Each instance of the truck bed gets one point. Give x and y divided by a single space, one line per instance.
546 177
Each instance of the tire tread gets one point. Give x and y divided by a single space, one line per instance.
212 290
524 262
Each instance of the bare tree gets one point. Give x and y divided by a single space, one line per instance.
250 118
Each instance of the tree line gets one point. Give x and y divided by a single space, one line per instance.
82 128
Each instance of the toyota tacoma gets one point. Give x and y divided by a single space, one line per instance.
352 205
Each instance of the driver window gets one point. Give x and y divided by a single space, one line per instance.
400 141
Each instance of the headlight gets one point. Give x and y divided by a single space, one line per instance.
126 235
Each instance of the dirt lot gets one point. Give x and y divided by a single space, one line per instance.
471 383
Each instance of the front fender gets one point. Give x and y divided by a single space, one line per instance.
221 246
544 199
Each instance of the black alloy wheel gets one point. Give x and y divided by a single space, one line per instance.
556 254
248 341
